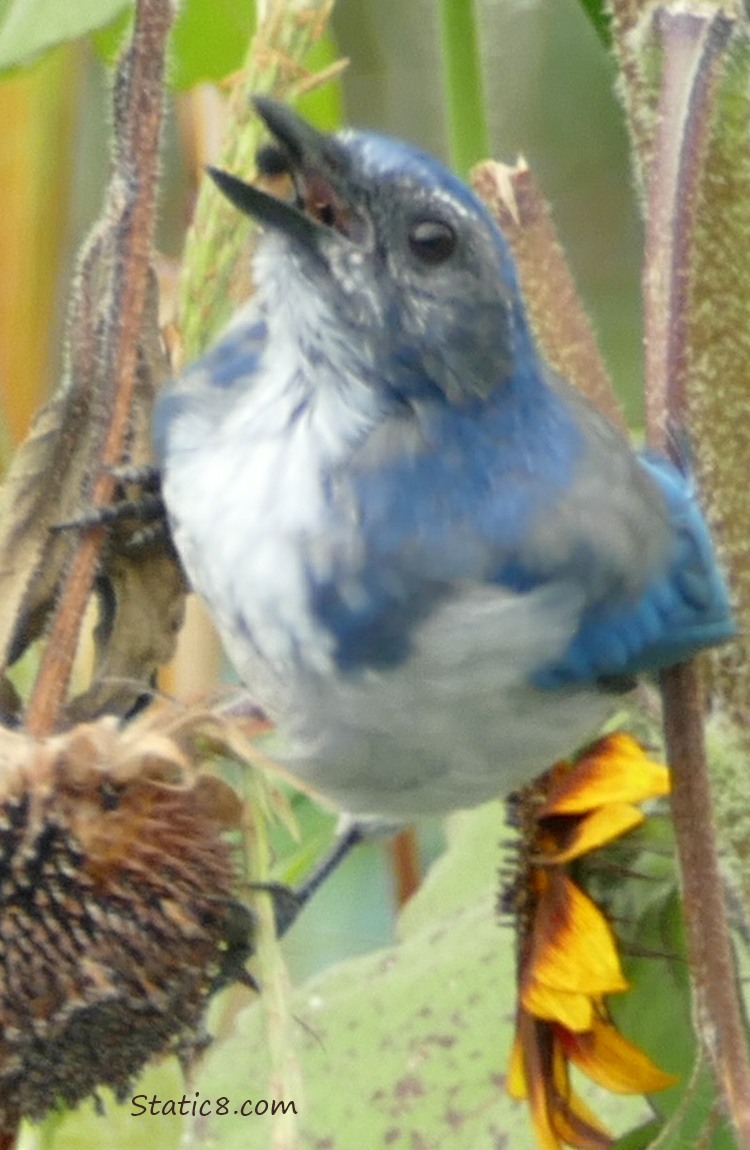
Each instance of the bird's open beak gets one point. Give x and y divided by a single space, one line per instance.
318 165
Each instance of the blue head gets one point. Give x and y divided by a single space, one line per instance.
403 260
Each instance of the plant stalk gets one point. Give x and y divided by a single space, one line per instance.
693 54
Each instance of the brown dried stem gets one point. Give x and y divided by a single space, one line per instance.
560 323
403 853
129 213
693 54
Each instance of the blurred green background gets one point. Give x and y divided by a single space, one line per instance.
548 86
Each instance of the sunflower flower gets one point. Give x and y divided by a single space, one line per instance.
568 960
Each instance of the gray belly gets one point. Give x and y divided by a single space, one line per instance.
454 725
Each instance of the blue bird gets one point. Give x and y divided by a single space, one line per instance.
430 559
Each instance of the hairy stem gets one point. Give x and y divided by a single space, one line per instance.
693 53
130 214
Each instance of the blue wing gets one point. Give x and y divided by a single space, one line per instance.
439 500
553 495
682 610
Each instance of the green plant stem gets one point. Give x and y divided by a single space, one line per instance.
467 121
214 252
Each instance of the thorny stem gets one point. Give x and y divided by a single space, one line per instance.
692 60
131 208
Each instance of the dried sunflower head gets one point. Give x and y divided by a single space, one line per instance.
117 916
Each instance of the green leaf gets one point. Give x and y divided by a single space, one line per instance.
409 1045
656 1013
639 1139
110 40
209 40
28 27
697 1121
323 105
597 13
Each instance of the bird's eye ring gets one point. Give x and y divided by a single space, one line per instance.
432 241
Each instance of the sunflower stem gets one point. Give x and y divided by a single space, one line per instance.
693 53
129 220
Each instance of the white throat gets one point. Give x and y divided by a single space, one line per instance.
264 450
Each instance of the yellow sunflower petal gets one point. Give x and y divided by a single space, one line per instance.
615 769
542 1121
593 830
538 1071
573 1011
536 1045
515 1078
610 1059
576 1126
572 946
572 1120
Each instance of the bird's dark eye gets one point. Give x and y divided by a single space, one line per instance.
432 241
